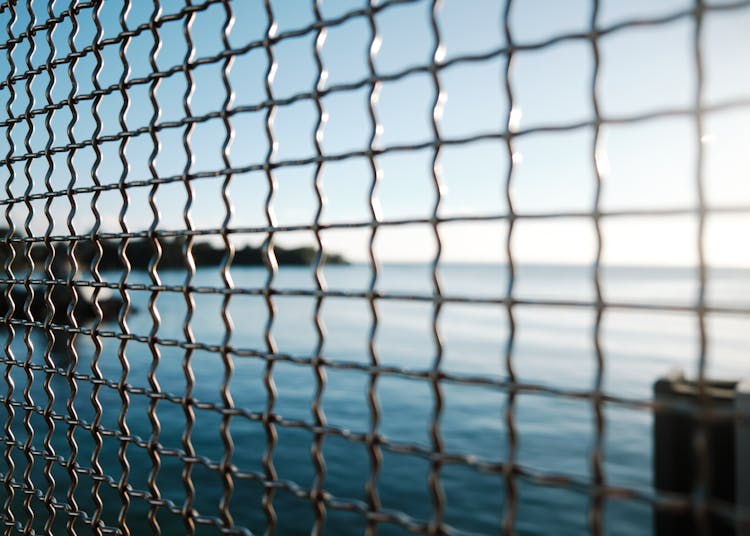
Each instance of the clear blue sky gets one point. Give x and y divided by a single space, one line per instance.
649 164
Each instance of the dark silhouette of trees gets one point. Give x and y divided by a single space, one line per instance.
140 253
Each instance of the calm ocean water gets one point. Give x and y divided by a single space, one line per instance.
553 347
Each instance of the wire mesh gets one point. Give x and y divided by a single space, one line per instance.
55 287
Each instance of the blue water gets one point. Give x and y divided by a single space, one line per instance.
553 348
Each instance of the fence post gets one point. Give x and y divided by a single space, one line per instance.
675 464
742 453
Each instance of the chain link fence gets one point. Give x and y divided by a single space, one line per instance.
84 445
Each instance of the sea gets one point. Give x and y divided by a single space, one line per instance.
649 331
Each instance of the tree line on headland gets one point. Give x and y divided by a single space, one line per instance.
56 298
140 252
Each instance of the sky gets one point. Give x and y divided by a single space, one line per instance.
646 165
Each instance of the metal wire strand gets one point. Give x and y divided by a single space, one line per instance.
511 486
269 258
226 277
188 510
96 519
153 265
700 435
434 483
319 371
10 359
29 293
596 512
374 451
122 516
49 451
72 413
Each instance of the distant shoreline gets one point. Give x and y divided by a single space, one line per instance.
548 266
142 252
